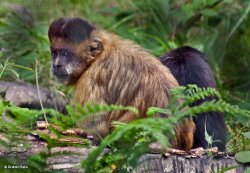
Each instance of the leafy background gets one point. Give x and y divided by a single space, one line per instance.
219 28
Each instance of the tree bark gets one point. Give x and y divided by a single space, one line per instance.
150 163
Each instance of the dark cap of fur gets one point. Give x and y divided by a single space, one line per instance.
72 29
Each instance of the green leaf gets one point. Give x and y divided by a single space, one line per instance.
209 12
247 171
223 170
14 73
211 2
22 67
243 157
208 138
1 108
247 134
153 110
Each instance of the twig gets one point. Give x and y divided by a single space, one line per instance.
39 95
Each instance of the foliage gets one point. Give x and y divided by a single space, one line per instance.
129 141
22 41
8 68
126 143
219 28
243 157
16 123
156 25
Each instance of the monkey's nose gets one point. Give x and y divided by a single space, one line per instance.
56 66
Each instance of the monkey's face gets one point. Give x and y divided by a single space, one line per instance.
66 66
73 48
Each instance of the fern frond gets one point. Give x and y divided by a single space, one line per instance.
90 109
153 110
159 129
194 93
218 106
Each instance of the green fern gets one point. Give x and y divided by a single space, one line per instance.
130 141
193 93
127 142
137 135
90 109
219 106
77 112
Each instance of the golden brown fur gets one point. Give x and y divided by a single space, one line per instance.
122 73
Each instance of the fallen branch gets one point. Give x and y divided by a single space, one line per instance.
25 95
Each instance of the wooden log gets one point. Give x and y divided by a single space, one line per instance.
26 95
150 163
176 163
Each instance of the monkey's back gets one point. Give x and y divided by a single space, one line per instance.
125 75
189 66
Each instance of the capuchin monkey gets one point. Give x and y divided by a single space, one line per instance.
106 69
189 66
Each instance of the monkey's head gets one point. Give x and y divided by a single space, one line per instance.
74 47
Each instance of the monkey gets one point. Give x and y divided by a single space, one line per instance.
103 68
190 66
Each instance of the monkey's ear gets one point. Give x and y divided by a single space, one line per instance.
96 47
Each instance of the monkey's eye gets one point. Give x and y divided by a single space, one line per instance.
53 53
65 53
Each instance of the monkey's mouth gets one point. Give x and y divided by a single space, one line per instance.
61 76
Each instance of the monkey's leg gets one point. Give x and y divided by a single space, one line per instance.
75 132
184 135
